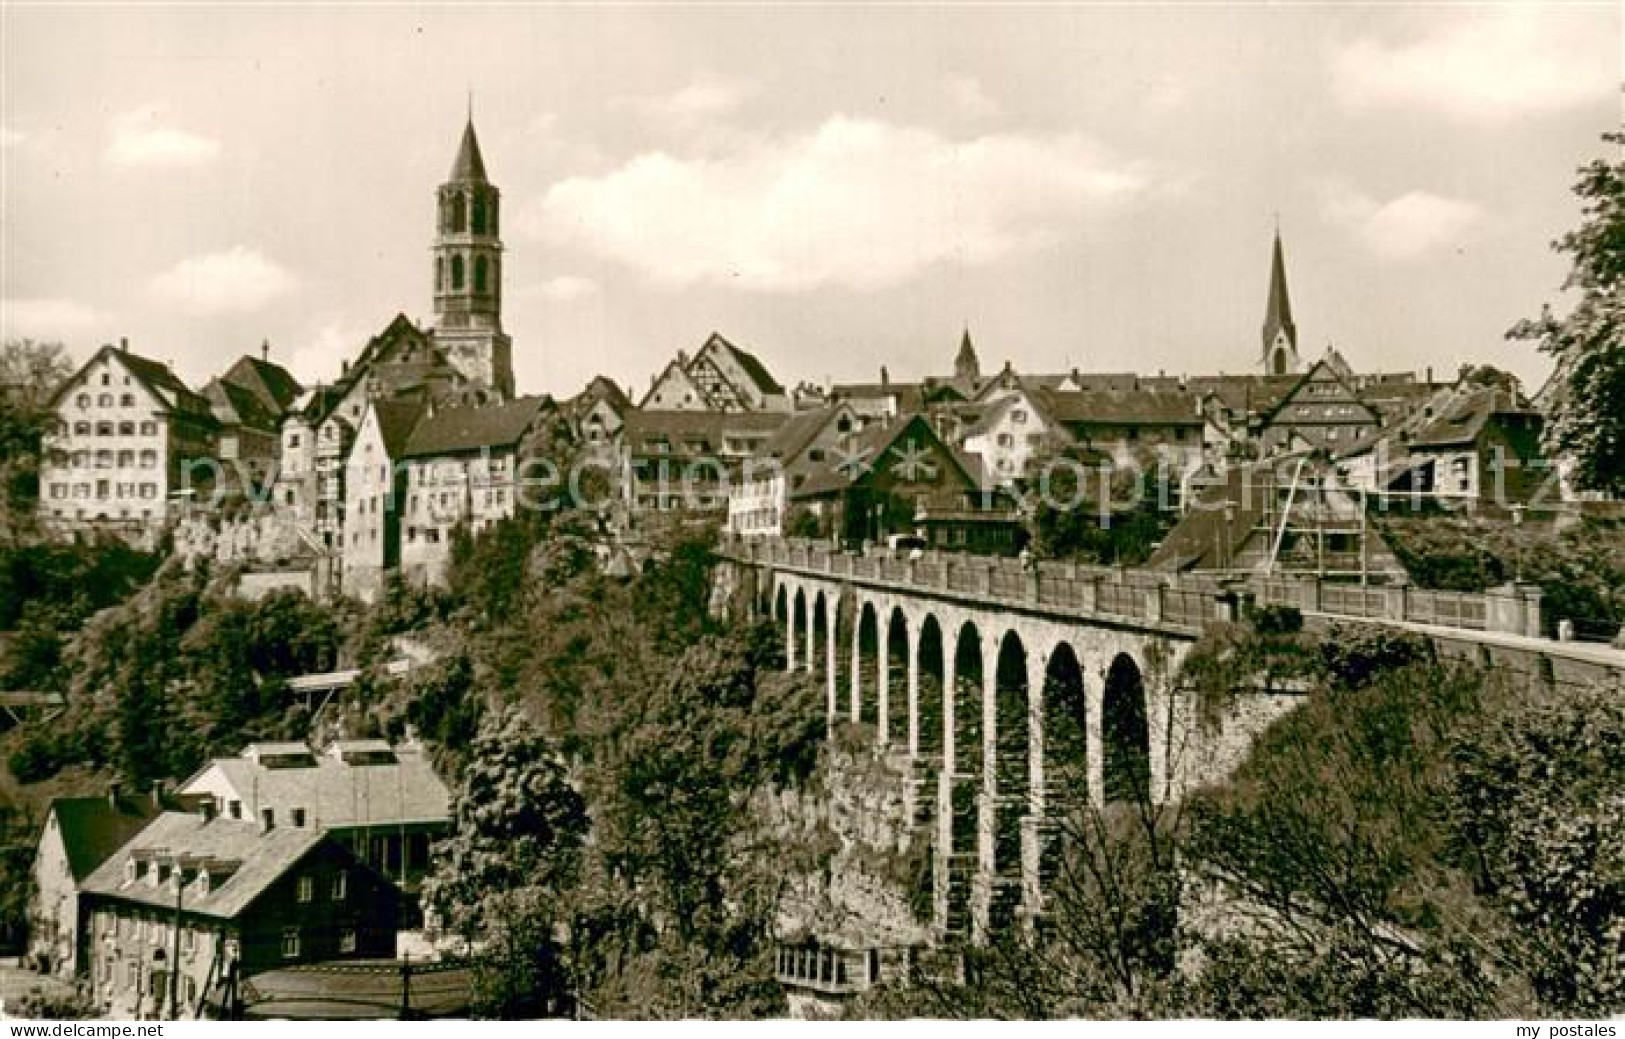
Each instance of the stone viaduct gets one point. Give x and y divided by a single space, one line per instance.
1014 695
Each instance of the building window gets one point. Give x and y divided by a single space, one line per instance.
104 400
299 817
126 459
104 429
347 940
126 400
149 429
293 439
234 809
82 428
341 886
456 272
290 943
307 889
481 274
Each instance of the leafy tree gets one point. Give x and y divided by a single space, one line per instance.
1587 415
1539 817
30 372
517 823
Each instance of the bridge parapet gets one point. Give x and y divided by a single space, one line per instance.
1159 598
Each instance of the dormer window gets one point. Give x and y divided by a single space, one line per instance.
132 871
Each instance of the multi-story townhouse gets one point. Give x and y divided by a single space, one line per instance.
374 488
463 470
130 445
195 902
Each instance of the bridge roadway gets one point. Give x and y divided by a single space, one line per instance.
1023 691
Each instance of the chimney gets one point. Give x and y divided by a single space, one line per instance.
1430 375
158 792
885 376
124 343
265 349
267 820
344 368
115 790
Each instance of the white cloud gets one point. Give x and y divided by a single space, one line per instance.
236 280
1485 65
968 95
856 202
321 357
703 99
1403 227
567 287
139 140
48 319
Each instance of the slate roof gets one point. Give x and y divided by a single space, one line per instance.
93 828
871 445
462 430
261 858
236 405
336 795
397 417
799 431
1243 394
602 387
1463 421
1125 408
159 377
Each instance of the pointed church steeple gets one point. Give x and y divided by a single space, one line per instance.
966 366
468 271
1280 353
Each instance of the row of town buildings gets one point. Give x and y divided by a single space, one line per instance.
421 434
164 905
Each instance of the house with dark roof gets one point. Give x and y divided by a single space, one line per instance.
1483 445
195 901
250 401
402 361
719 377
1323 410
1012 435
374 485
598 413
901 478
759 499
131 444
80 834
463 469
1130 425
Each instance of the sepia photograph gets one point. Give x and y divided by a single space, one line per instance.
692 512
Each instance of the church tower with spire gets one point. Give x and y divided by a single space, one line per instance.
967 369
1280 354
468 272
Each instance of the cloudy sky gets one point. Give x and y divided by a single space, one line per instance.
833 187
